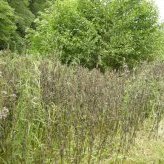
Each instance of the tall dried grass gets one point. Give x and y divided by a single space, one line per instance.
60 114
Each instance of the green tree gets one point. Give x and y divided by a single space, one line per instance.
24 16
134 36
23 20
7 25
96 33
37 6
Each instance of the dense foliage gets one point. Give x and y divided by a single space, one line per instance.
7 25
92 33
97 33
50 113
23 20
15 17
37 6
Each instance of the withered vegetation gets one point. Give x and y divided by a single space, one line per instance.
50 112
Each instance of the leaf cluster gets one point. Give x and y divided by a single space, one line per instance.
98 33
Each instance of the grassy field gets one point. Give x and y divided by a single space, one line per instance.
51 113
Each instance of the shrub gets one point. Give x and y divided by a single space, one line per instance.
97 33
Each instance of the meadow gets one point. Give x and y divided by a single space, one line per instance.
81 82
52 113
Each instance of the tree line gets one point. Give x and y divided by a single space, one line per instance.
15 17
92 33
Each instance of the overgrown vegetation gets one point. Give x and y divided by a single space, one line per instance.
15 17
94 34
50 112
97 33
81 81
7 26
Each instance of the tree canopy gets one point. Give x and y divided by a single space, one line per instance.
7 25
15 17
92 33
98 33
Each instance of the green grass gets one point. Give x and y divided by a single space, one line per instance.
60 114
147 149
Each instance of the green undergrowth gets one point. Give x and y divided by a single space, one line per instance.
51 113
